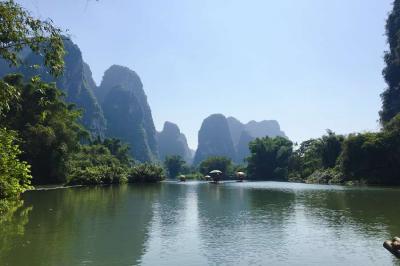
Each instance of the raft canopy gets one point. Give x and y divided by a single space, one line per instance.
215 172
240 174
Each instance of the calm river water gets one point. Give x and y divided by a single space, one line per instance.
194 223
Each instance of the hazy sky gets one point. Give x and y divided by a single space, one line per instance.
310 64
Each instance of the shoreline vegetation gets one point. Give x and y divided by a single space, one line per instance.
42 139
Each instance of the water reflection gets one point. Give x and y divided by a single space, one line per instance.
360 217
197 223
244 226
86 226
12 226
174 228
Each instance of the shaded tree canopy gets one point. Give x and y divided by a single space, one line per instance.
269 158
174 164
316 155
374 157
47 126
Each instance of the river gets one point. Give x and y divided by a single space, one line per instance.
196 223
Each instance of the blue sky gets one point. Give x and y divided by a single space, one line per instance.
310 64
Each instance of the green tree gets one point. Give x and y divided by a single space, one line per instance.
174 165
47 127
315 154
15 175
330 147
374 157
305 160
391 96
146 173
117 148
269 158
224 164
94 164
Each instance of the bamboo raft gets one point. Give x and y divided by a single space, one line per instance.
393 246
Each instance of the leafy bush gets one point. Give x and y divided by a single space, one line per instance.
315 155
194 176
95 164
269 159
327 176
146 173
95 175
373 157
15 176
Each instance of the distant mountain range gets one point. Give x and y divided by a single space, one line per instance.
221 136
119 108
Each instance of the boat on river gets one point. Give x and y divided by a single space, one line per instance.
240 176
215 175
393 246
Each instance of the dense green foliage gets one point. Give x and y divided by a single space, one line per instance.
174 165
367 158
316 154
109 162
269 158
14 174
146 173
194 176
47 127
374 157
223 164
50 139
106 162
391 73
117 148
